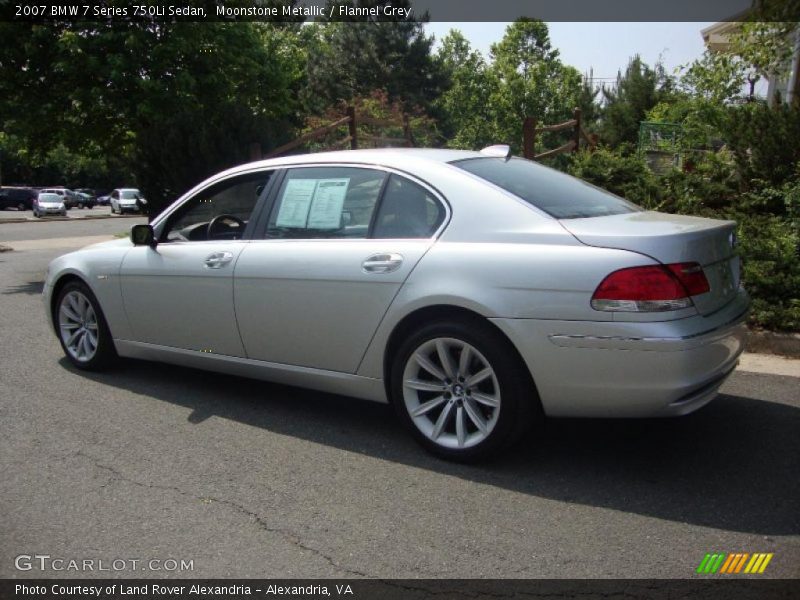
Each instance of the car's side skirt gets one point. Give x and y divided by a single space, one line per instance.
332 382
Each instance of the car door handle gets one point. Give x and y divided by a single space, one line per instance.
218 259
382 263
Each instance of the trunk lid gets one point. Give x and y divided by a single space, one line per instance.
671 239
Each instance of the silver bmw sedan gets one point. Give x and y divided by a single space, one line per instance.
476 292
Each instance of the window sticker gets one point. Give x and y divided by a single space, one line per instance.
313 203
327 205
296 201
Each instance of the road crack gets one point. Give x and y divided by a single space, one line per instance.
260 521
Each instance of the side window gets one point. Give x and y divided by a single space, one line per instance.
407 211
220 212
325 202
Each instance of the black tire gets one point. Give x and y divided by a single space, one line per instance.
105 353
519 406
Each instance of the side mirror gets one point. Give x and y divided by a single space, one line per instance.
143 235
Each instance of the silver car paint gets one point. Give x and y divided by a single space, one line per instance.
497 256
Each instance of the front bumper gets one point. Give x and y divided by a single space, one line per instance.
630 369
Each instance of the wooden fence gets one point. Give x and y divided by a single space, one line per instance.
353 137
577 133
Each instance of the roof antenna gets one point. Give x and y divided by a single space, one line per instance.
498 151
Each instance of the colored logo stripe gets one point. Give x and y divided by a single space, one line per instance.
733 563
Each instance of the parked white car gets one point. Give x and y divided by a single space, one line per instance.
124 200
476 292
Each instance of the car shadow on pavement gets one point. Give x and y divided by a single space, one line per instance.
31 288
733 465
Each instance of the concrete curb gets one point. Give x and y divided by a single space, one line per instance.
770 342
49 219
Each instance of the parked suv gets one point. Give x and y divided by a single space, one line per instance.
19 198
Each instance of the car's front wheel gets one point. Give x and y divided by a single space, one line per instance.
462 390
82 328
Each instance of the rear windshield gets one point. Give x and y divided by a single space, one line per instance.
559 195
49 198
129 194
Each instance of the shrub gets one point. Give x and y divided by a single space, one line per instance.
626 175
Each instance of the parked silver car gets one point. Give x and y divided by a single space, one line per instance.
475 291
47 203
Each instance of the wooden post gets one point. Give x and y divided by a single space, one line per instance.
577 117
529 138
407 132
351 112
255 151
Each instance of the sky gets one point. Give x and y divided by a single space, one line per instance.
603 47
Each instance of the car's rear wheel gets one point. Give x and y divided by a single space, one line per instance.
462 390
82 328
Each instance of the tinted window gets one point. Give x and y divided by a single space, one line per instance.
325 202
407 211
228 204
559 195
129 194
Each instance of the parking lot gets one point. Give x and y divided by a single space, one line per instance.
97 212
249 479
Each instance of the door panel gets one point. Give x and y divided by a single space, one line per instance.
317 303
181 295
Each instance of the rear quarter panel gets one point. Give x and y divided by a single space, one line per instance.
500 259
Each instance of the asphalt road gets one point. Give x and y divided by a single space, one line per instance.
256 480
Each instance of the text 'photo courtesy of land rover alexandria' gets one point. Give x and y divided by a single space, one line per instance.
475 291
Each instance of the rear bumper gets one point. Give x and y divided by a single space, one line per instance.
624 369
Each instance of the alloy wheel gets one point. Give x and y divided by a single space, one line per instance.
77 322
451 393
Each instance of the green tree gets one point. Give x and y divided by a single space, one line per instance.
531 81
637 91
353 58
467 117
176 101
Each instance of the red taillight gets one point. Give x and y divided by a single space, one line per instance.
691 276
651 288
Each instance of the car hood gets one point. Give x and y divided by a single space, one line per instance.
121 242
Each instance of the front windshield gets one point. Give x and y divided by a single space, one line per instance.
129 194
49 198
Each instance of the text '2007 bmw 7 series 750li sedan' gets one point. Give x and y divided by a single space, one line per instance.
475 291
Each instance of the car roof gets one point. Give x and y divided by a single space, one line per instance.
388 157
